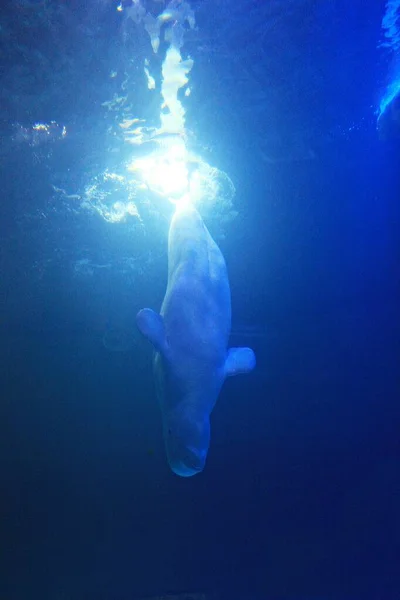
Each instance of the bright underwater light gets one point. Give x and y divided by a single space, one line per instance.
161 167
165 171
170 172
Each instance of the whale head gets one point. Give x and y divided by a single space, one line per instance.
187 439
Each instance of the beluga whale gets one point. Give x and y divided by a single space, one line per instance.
190 336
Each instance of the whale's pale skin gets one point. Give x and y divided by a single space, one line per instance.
190 337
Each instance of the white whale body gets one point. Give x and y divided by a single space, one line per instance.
190 338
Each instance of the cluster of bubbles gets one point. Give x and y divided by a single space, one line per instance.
113 197
128 266
119 197
38 133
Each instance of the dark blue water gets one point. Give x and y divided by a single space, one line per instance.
300 496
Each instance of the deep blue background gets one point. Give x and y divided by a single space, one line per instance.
300 496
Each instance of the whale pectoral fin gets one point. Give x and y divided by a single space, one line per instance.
151 325
239 360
